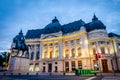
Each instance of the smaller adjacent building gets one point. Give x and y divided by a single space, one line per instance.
59 48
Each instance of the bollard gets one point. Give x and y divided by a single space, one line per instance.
64 73
4 74
50 73
11 73
19 73
37 73
95 74
27 73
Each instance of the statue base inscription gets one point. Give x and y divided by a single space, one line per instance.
19 64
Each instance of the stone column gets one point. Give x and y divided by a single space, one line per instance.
60 49
48 51
69 44
35 49
70 67
76 64
54 50
41 46
76 52
29 52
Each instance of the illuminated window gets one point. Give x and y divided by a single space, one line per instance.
37 67
73 65
78 41
66 54
80 64
73 52
45 54
31 67
51 52
56 54
67 66
72 42
102 50
79 52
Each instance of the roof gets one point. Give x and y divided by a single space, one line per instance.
113 35
95 24
52 28
55 27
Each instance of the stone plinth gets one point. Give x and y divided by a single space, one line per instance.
19 64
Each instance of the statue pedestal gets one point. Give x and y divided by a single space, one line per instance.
19 64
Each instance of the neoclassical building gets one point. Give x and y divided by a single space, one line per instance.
59 48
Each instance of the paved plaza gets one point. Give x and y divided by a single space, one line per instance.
46 76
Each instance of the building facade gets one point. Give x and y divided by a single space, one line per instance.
58 48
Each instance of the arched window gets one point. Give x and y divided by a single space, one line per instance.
32 55
51 52
73 52
37 55
66 53
56 54
79 52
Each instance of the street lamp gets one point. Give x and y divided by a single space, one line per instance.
98 56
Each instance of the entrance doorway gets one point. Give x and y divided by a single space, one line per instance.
105 66
49 67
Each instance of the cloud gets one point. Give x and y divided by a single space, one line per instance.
36 14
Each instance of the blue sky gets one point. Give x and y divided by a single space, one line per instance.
36 14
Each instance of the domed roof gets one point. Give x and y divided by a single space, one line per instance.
95 24
53 27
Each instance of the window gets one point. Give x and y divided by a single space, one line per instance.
45 54
73 53
72 42
43 63
51 52
79 52
67 66
101 42
80 64
55 62
56 54
78 41
66 54
37 55
66 43
73 65
37 67
32 55
102 50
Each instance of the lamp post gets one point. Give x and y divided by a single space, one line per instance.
98 57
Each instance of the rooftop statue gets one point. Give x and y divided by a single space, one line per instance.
19 48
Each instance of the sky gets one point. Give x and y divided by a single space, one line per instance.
36 14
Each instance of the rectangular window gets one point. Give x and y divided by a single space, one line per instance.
102 50
67 66
73 65
80 64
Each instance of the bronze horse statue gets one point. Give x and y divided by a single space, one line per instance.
20 45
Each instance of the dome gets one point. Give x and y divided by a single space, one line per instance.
95 24
53 27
